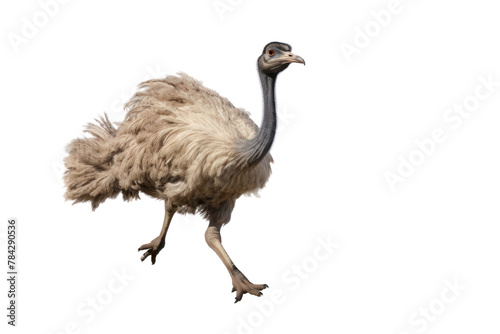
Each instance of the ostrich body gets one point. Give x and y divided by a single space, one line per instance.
186 145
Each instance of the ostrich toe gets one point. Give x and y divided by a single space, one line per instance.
152 248
242 285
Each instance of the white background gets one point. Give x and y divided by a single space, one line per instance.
343 125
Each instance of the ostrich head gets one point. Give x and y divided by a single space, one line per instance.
276 57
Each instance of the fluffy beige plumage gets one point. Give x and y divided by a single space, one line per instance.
185 144
177 142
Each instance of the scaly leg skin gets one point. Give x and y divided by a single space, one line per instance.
241 284
157 244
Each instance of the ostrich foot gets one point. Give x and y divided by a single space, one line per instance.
152 248
242 285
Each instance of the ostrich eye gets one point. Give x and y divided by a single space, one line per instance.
270 52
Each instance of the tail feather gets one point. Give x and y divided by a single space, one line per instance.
89 176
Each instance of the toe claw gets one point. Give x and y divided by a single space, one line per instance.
242 286
239 295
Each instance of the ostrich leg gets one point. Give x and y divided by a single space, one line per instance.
241 284
157 244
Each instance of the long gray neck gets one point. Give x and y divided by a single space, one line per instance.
255 149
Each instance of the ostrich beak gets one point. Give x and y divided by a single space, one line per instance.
292 58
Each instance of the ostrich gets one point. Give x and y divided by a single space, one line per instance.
182 143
